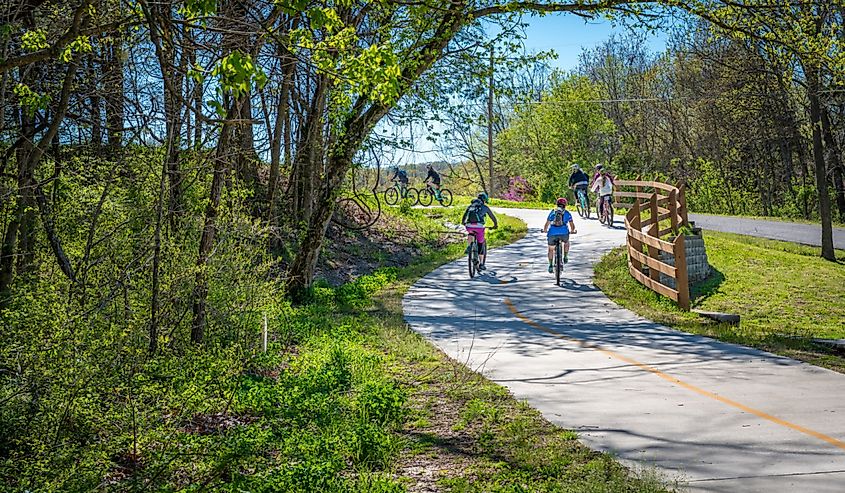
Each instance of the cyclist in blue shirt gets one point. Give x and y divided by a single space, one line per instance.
559 225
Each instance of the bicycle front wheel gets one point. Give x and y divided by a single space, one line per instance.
445 197
425 197
391 196
558 263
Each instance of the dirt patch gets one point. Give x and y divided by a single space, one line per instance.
360 241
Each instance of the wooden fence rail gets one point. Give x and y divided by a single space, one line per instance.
660 202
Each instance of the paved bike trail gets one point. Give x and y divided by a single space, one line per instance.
718 416
807 234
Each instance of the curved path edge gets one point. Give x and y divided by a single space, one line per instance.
718 416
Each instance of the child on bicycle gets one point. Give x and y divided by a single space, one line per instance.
559 225
603 186
473 220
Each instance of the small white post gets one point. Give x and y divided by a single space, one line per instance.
264 336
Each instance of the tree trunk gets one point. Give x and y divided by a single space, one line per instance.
115 95
94 100
835 161
813 87
221 160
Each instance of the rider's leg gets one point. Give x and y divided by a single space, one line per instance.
482 256
566 251
551 257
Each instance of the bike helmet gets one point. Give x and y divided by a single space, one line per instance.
561 202
484 197
576 167
599 167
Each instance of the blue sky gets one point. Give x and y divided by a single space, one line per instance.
568 35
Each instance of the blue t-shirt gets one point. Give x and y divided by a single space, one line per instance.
559 230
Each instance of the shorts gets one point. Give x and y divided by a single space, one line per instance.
563 238
478 230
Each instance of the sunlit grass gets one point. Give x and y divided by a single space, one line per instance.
785 294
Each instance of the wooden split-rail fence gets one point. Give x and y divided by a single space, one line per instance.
655 204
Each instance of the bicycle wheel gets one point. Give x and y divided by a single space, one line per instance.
609 214
445 197
558 262
585 204
391 196
471 258
412 195
579 208
425 197
601 211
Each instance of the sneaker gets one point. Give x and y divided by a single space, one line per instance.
551 269
482 267
566 259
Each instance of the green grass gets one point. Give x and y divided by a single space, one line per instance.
785 294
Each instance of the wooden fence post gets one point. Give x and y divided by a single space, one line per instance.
638 188
654 230
673 210
633 244
682 203
681 278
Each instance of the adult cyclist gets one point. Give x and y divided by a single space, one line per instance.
434 177
473 220
559 225
578 181
402 177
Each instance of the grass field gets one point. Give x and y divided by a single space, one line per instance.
785 294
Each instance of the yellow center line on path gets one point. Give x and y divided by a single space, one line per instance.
698 390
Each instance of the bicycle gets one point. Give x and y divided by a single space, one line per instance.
473 253
606 212
428 194
582 203
559 259
394 193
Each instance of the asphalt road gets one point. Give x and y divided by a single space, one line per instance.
717 416
807 234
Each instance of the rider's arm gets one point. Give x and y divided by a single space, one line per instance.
464 219
490 213
546 227
572 227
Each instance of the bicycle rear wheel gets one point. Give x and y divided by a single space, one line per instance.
445 197
609 215
471 258
425 197
585 204
558 262
391 196
601 211
412 196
